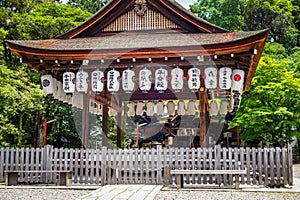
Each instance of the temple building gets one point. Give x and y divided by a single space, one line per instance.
174 75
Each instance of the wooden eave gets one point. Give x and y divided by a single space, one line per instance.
169 8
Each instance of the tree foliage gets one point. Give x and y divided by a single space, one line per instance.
90 5
248 15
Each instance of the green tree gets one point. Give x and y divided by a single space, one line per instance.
90 5
20 99
270 110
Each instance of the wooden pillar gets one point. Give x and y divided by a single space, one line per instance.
119 130
85 128
104 125
203 109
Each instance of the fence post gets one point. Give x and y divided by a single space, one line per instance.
290 164
103 166
159 165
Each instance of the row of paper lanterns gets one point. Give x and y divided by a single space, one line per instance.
160 108
225 77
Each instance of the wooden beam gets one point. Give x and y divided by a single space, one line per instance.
203 109
104 125
85 129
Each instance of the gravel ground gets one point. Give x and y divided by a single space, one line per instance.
41 194
215 195
11 193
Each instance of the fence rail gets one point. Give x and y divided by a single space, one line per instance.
267 166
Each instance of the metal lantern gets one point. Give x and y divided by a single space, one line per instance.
194 78
145 77
161 80
177 79
238 80
82 81
150 108
47 83
210 77
131 111
128 77
97 81
213 108
225 78
113 84
68 82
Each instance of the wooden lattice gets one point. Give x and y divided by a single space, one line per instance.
131 21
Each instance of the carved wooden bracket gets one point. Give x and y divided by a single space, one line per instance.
140 7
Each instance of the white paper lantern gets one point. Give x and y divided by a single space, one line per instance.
225 78
194 78
224 107
210 77
47 84
171 108
145 77
128 77
160 108
113 84
238 80
131 110
213 111
97 81
191 109
150 108
68 82
177 79
140 108
181 108
161 80
82 81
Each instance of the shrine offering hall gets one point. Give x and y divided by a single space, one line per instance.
167 76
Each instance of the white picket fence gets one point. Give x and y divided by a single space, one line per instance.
267 166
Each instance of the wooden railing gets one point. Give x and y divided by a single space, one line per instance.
267 166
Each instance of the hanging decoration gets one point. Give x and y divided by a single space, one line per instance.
210 77
131 110
161 81
139 108
82 81
150 108
97 81
128 80
181 108
224 107
69 82
145 79
113 84
177 79
238 80
213 111
194 78
191 109
171 108
47 84
225 78
160 108
236 89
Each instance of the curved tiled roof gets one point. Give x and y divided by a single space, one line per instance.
129 40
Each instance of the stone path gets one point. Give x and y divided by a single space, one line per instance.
124 192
